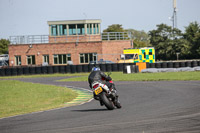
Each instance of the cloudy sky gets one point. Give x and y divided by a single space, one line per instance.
29 17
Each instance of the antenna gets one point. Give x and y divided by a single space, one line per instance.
174 3
174 17
85 15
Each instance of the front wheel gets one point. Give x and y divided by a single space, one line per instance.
118 105
109 104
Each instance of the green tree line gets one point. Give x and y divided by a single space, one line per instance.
168 42
4 46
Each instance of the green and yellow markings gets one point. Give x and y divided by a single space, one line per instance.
83 96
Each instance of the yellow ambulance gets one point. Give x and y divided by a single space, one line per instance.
146 54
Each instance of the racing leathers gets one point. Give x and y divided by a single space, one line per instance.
100 77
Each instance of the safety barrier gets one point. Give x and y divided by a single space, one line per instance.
13 71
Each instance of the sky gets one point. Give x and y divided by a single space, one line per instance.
29 17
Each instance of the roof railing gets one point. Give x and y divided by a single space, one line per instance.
41 39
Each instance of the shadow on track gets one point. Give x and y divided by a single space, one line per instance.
90 110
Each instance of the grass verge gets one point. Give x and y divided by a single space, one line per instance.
44 75
119 76
18 97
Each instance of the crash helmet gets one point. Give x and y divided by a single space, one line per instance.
95 69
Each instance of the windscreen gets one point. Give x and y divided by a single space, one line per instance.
131 56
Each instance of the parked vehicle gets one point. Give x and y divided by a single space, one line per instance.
3 63
105 62
146 54
4 60
101 62
4 57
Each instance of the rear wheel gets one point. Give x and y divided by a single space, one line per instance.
109 104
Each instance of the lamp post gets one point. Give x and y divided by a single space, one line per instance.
177 55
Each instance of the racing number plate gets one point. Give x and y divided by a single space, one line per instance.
98 90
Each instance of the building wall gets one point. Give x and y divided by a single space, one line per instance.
107 50
112 50
49 49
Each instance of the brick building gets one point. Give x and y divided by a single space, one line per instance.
77 41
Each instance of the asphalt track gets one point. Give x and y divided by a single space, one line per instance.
148 107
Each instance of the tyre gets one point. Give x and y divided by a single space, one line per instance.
118 105
109 105
158 65
170 65
164 65
176 65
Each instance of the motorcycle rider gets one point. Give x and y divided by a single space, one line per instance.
99 76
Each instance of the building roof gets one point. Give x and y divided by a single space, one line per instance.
85 21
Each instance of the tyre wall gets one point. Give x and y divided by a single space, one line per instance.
120 67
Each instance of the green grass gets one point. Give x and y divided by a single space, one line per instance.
43 75
18 97
119 76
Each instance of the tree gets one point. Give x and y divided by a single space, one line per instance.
140 38
108 35
168 41
192 34
4 46
114 28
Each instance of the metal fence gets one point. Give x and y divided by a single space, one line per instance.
38 39
116 35
30 39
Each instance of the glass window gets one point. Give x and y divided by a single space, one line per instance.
18 60
91 57
129 56
64 61
54 30
80 29
89 28
62 30
72 29
31 59
65 31
136 56
94 28
46 59
88 57
62 58
81 58
55 58
69 57
94 57
97 29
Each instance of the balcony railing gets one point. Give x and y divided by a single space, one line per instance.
116 36
41 39
30 39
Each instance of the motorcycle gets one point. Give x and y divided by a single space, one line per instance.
107 98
